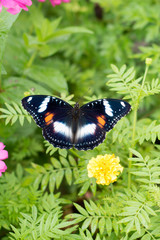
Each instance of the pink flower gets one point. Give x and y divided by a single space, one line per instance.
3 155
15 6
55 2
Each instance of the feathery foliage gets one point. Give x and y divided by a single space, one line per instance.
67 51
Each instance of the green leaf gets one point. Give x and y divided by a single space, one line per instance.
129 226
21 120
114 68
11 109
6 21
14 119
34 213
137 154
59 177
137 235
122 69
68 175
52 181
101 225
140 173
86 223
56 163
63 152
145 215
142 220
4 111
109 226
37 181
45 181
94 225
68 30
81 210
126 219
19 171
149 210
115 226
137 224
64 162
72 161
146 237
84 188
88 208
51 77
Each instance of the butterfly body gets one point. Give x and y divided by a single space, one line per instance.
83 127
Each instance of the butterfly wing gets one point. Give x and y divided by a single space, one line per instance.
53 115
97 118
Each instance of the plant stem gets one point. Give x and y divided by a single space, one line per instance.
134 125
31 59
144 77
132 145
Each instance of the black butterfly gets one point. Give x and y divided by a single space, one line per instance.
83 127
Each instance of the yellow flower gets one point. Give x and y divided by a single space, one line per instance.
26 94
104 168
148 61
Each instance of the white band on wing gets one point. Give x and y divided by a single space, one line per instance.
63 129
44 104
88 129
108 109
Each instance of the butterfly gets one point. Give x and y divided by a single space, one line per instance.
83 127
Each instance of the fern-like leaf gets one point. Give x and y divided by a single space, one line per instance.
14 112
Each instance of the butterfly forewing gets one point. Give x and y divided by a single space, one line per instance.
88 134
106 112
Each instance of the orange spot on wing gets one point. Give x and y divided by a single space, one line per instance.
101 121
48 118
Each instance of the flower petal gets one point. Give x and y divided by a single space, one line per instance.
8 3
3 154
104 168
2 146
0 7
3 166
24 2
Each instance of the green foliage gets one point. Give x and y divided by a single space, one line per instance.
46 226
6 21
14 112
67 51
123 81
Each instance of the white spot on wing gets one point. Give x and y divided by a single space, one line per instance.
123 104
29 99
88 129
44 104
108 109
62 128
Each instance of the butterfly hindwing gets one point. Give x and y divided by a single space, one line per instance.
59 133
88 134
53 116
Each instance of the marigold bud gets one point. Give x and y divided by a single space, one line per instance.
148 61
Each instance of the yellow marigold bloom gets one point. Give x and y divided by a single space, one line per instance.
104 168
